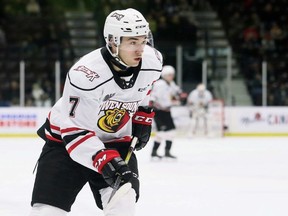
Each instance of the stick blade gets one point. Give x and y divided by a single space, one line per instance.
119 193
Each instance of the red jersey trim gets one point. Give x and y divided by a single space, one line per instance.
73 146
48 136
70 129
54 127
122 139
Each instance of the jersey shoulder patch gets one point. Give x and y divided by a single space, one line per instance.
89 72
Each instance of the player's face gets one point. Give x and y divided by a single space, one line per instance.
169 77
131 49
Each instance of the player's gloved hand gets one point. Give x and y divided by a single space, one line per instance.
109 163
141 125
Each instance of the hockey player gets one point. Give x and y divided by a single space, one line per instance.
164 95
198 101
88 131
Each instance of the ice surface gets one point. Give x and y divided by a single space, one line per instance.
212 177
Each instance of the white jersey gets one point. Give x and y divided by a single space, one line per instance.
199 98
97 105
164 94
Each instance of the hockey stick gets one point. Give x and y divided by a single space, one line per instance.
128 156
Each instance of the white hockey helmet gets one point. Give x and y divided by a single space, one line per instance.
168 70
124 23
201 87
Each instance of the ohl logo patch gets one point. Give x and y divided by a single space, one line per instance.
117 16
113 120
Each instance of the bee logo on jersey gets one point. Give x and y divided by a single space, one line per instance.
116 115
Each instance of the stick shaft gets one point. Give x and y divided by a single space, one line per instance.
128 156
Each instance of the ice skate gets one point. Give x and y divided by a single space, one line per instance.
169 156
155 156
167 150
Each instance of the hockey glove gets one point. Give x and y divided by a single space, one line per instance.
141 125
109 163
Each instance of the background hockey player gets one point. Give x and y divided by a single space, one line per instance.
88 131
198 101
165 94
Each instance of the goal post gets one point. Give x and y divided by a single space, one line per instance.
216 117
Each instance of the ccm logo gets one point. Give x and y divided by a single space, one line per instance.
99 161
145 120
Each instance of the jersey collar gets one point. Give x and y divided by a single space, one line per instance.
122 83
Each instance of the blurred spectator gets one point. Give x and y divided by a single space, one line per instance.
232 29
37 93
39 97
256 90
152 24
3 102
163 31
251 33
2 37
33 8
14 93
266 14
188 31
277 35
262 29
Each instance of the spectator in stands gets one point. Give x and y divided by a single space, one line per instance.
188 30
268 41
277 35
39 97
3 102
152 23
267 15
14 93
251 33
37 93
33 8
163 31
251 43
2 37
232 29
256 90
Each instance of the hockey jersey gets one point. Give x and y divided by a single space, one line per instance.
97 104
199 98
164 95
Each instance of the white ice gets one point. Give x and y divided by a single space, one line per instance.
212 177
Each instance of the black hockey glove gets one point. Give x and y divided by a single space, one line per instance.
109 163
142 125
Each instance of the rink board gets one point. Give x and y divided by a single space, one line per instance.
240 121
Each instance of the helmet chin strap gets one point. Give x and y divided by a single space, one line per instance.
116 60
